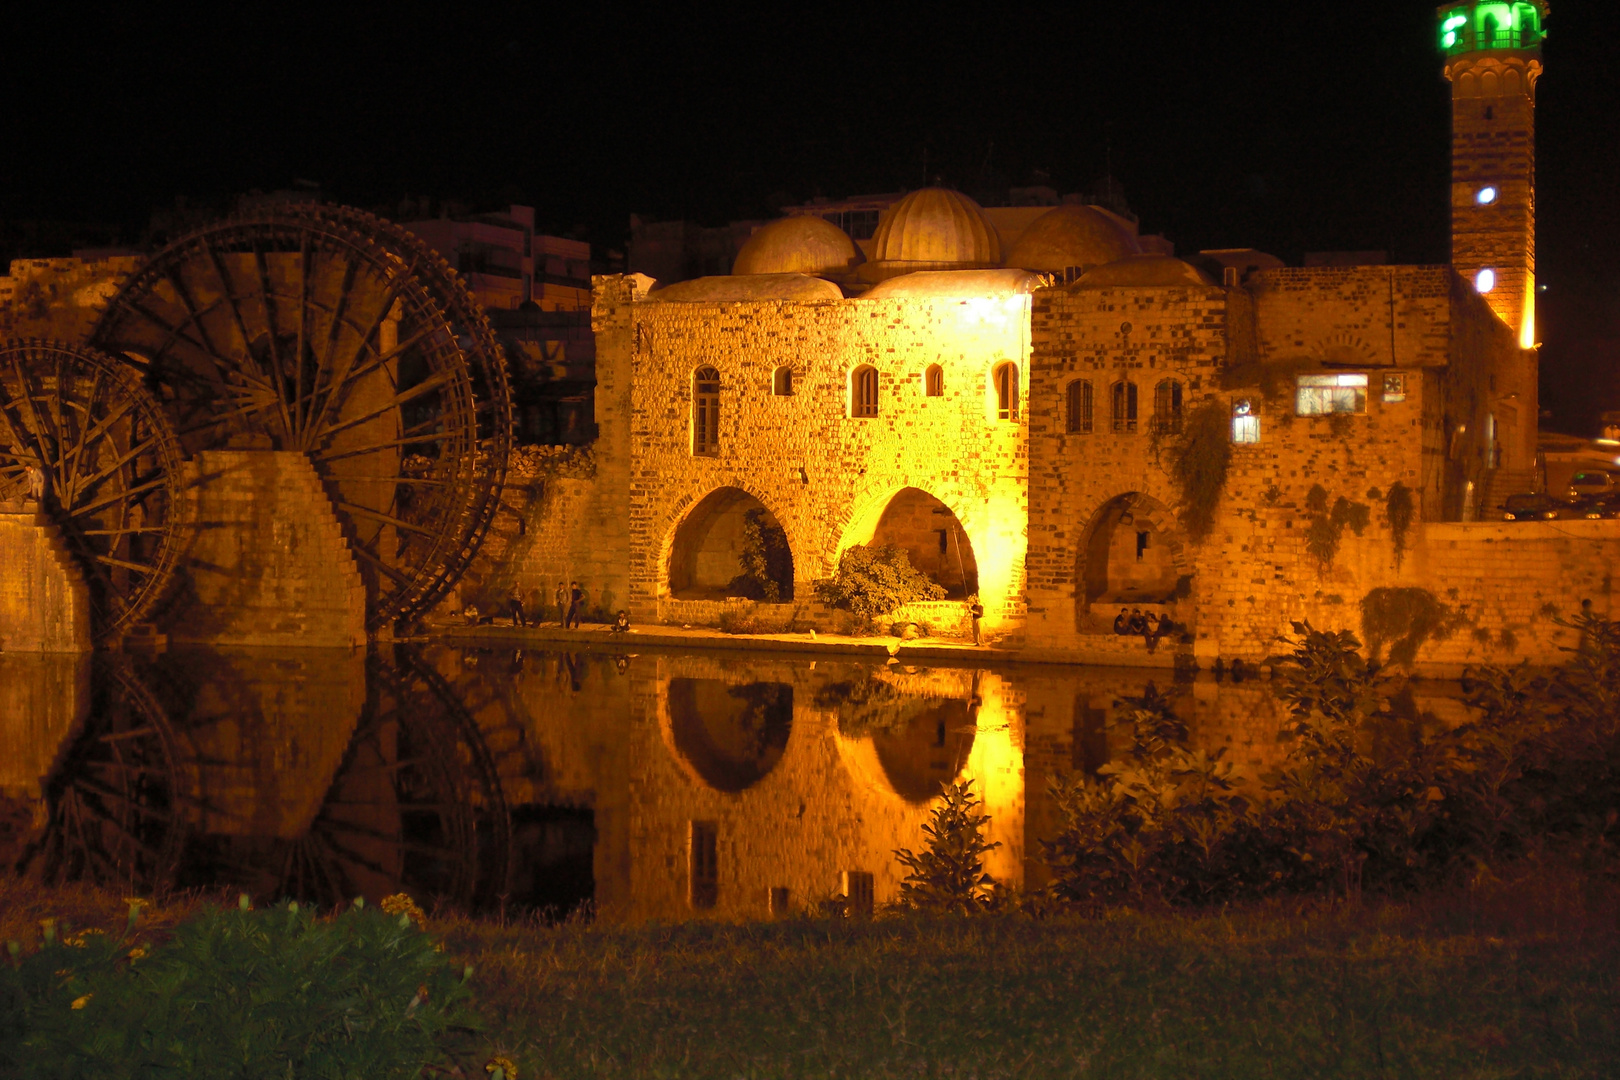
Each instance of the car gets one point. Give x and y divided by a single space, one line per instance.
1537 507
1589 482
1597 507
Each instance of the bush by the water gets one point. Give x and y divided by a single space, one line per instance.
873 581
948 875
1369 796
236 993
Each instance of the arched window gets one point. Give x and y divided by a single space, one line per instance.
1167 406
782 382
1006 378
1079 420
1124 412
934 381
863 391
1245 423
706 412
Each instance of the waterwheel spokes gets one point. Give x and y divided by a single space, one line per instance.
331 333
112 471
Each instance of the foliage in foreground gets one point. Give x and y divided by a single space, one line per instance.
949 874
873 581
235 993
1368 795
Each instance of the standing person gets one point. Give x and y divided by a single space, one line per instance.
562 604
975 612
516 601
36 483
576 600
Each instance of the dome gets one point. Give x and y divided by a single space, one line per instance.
955 284
798 245
748 287
1143 270
1068 236
937 227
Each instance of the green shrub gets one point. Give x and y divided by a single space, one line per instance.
1199 463
236 993
1368 795
949 874
1399 510
767 561
873 581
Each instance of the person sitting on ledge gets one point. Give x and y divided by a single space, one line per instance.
1138 624
1122 622
621 624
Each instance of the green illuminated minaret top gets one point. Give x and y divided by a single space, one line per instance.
1491 24
1492 51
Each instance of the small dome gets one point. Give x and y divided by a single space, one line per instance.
748 287
955 284
1068 236
1143 270
798 245
936 227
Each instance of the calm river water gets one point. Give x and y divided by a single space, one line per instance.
646 786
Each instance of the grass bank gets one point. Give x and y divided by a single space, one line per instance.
1518 978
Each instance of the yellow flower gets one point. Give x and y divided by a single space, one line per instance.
79 1003
400 904
501 1068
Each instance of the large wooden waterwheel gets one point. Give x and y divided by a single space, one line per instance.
338 335
82 430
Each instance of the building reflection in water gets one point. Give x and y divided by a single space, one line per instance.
656 786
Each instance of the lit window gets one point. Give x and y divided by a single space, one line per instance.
1319 395
1245 425
1079 420
934 381
1486 196
1485 280
1394 387
782 382
706 412
1007 392
863 392
1124 407
1167 406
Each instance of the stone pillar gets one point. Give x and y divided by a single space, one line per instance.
44 602
270 565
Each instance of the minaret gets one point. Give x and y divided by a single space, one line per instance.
1493 58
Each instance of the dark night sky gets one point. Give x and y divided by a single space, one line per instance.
1284 126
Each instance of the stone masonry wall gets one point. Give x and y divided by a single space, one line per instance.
269 565
44 603
826 476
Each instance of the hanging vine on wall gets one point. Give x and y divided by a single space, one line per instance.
1326 530
1399 510
1199 462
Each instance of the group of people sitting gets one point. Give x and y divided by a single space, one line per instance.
1131 622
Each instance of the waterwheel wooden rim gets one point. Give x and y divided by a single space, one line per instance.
84 429
339 336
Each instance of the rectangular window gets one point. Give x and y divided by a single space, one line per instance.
703 865
863 392
1322 395
1394 387
1124 407
1245 429
781 900
1080 407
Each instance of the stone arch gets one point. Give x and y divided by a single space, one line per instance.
928 530
704 553
1133 552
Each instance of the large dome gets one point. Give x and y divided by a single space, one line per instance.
1143 271
1070 236
709 290
936 228
798 245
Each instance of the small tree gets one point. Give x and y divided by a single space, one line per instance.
873 581
949 874
767 561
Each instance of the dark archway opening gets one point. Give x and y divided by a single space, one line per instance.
932 538
730 545
1132 556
